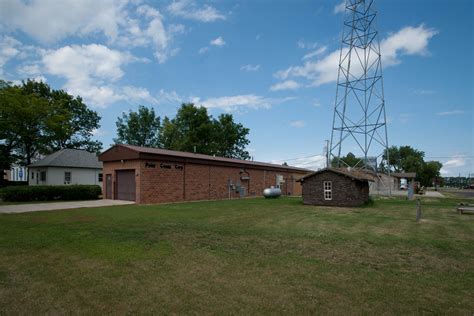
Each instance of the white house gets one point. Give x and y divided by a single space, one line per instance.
67 166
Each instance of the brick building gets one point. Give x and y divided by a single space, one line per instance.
151 175
336 187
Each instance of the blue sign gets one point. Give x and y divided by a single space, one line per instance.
20 173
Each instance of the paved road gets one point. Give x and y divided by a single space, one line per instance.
23 208
433 194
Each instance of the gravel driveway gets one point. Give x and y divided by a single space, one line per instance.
22 208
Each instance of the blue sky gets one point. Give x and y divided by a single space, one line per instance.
270 63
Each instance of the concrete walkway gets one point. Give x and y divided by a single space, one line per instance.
23 208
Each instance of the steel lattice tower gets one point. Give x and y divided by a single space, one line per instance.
359 122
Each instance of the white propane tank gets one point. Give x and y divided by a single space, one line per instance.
271 192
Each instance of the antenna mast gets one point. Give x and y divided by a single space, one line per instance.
359 122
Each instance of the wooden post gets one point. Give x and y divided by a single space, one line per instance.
418 210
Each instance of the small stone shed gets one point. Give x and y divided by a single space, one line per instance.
336 187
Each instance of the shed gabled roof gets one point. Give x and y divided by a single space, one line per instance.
354 174
407 175
74 158
107 156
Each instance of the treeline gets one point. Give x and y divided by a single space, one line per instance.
191 130
402 159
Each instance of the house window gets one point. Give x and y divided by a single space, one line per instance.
43 176
67 177
32 175
327 190
101 177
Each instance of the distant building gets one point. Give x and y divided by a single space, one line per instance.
67 166
336 187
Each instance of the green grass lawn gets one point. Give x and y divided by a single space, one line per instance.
250 256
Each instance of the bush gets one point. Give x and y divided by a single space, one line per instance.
50 193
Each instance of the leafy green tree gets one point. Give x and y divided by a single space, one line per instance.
408 159
230 138
404 158
34 119
430 173
73 123
140 128
350 160
193 129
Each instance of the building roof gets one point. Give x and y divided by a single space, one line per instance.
73 158
106 156
406 175
354 174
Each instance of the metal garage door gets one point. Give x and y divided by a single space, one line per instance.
126 185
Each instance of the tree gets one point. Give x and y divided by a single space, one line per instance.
408 159
350 160
75 122
193 129
404 158
140 128
430 173
34 119
230 138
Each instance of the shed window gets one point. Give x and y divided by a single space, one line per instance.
101 177
67 177
327 190
43 176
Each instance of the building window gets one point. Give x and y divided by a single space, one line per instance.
32 175
327 190
67 177
101 177
43 176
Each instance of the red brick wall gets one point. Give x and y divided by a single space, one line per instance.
190 182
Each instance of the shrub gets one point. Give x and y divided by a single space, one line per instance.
50 193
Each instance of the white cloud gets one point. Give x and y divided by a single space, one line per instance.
99 132
90 71
315 162
423 91
203 50
250 67
340 8
298 124
137 94
450 166
218 41
453 112
123 22
315 53
189 10
9 48
237 102
51 20
307 45
407 41
285 85
171 96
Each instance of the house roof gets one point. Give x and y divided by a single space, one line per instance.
354 174
187 155
407 175
74 158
